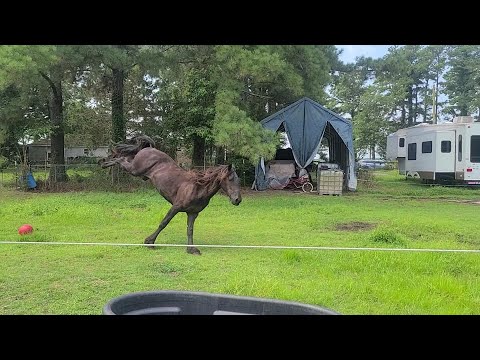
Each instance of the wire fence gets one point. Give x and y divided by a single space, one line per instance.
272 247
72 177
83 177
8 177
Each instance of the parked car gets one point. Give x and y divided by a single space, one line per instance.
371 164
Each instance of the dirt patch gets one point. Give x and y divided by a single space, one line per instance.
354 226
474 202
432 199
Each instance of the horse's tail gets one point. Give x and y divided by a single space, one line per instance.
139 143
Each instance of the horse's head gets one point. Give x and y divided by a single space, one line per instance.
231 185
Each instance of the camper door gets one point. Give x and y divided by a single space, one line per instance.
472 165
460 154
445 152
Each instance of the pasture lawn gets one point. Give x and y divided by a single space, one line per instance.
390 212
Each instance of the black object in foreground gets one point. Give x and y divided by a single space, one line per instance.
169 302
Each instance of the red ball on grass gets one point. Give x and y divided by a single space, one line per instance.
25 229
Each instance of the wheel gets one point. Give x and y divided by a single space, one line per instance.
307 187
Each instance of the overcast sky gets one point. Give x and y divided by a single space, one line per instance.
350 52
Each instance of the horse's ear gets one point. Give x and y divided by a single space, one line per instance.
230 167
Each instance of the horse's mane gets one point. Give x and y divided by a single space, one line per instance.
134 146
210 177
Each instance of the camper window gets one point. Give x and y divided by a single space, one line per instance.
401 142
475 149
426 147
412 151
446 146
459 147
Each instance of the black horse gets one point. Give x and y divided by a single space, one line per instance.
187 191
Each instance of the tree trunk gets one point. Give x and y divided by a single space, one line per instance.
198 155
437 90
403 117
416 105
118 119
57 135
410 106
219 155
352 114
425 103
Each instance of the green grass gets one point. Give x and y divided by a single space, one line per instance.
391 184
61 279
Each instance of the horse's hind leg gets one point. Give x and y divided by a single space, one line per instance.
170 214
191 220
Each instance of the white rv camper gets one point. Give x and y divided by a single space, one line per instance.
438 152
396 149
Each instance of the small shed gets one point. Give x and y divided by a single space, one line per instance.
306 123
39 152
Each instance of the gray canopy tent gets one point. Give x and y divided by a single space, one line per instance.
305 123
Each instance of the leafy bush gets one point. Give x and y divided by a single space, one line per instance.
244 169
3 162
366 178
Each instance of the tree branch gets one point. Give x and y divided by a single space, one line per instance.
50 82
167 48
257 95
187 62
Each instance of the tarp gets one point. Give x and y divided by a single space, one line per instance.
31 183
279 173
305 121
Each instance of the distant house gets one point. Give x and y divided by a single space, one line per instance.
39 152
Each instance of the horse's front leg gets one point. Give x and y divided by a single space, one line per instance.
190 221
170 214
128 165
104 163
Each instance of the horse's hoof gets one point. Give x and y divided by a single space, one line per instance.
150 242
108 163
193 250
